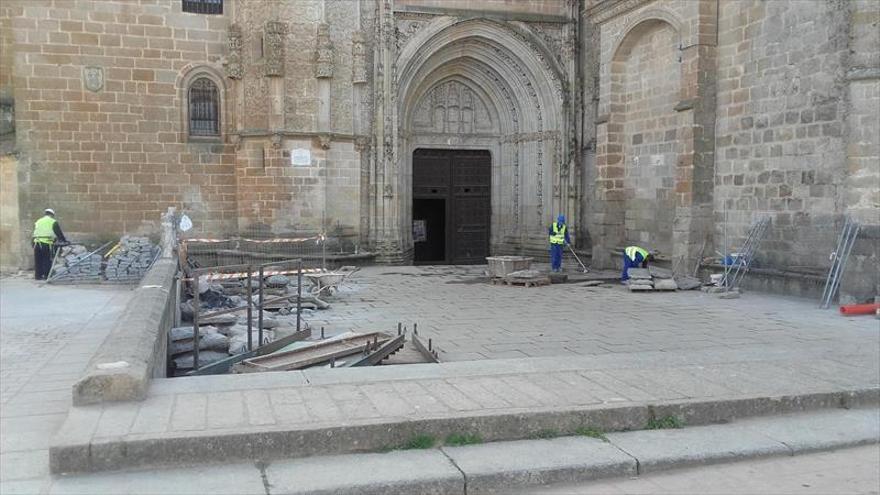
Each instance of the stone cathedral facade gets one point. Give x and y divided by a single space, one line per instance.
672 124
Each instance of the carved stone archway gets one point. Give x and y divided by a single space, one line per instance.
475 84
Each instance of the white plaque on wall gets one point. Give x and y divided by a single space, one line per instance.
300 157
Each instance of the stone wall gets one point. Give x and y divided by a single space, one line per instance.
777 115
100 114
669 123
302 89
650 74
780 144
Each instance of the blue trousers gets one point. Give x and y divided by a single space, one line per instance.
630 263
556 257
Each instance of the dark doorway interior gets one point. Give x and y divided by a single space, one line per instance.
451 205
431 248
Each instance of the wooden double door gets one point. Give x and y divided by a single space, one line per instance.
451 206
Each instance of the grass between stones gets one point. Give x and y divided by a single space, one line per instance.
586 431
462 439
545 434
459 439
664 423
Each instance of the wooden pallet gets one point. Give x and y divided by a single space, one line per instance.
522 282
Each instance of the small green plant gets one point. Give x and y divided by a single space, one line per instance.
550 433
419 442
458 439
586 431
664 423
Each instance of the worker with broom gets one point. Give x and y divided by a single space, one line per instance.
634 257
558 239
47 237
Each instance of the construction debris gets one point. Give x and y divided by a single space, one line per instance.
665 284
659 279
525 278
502 266
687 283
131 259
730 294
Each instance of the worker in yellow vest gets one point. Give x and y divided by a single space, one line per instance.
634 257
47 237
558 239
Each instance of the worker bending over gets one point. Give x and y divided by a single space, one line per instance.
47 237
558 239
634 257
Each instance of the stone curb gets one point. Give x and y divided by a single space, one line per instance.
502 466
72 452
134 352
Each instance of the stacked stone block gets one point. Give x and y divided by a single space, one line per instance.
75 262
131 260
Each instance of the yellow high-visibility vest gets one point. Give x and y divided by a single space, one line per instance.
44 232
631 252
558 236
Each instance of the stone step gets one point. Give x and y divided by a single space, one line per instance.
204 419
503 466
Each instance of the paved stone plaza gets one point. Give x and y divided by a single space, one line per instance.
47 336
624 351
469 319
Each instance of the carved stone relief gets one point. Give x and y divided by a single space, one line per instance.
405 30
324 53
234 69
273 54
358 58
452 107
93 78
554 37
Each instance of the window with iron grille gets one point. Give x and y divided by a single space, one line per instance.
203 6
204 108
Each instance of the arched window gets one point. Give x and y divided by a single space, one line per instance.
204 108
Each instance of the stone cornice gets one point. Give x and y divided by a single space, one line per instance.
609 9
292 134
414 12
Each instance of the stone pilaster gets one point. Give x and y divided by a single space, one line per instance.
695 169
234 69
861 280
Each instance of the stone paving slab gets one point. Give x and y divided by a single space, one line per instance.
237 479
821 431
494 466
426 472
500 467
348 411
662 449
469 319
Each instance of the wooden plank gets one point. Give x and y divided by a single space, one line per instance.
320 352
224 365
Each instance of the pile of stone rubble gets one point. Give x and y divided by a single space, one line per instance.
226 335
659 279
131 260
75 262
